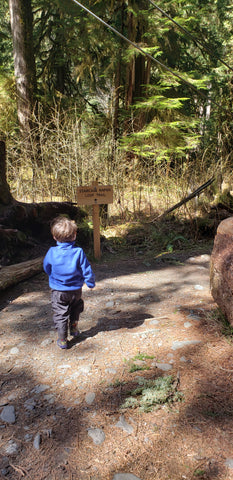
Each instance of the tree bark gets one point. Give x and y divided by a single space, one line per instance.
138 69
24 61
5 194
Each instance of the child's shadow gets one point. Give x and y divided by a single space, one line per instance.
105 324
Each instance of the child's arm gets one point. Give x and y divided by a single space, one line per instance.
87 272
46 264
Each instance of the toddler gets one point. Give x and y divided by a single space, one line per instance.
68 268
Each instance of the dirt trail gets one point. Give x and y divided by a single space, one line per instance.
67 404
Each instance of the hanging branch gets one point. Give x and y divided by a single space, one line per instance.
186 199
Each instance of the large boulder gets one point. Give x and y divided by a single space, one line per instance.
221 268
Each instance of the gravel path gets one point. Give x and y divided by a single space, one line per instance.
60 411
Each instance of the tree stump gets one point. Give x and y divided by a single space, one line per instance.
221 268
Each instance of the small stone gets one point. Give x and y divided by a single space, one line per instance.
12 396
90 397
110 304
64 366
187 325
180 344
30 404
229 462
46 342
14 351
205 258
183 359
37 441
11 448
111 370
199 287
125 476
124 425
192 316
49 396
97 435
153 322
8 414
4 472
40 388
163 366
85 369
67 382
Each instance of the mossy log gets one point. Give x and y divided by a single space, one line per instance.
13 274
25 224
31 216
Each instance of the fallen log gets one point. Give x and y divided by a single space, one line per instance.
13 274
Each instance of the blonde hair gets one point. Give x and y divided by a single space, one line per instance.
63 229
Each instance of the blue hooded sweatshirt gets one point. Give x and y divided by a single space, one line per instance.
67 267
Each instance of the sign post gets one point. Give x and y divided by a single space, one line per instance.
95 195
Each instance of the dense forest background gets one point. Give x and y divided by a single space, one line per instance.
145 105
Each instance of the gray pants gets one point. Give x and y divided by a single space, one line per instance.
66 307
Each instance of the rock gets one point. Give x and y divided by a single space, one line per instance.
165 367
68 381
221 268
229 462
192 316
5 467
110 304
11 448
187 325
4 472
40 388
14 351
8 414
154 321
46 342
125 476
124 425
84 370
30 404
111 370
180 344
37 441
90 397
64 366
97 435
183 359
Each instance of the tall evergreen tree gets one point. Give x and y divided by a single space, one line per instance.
24 61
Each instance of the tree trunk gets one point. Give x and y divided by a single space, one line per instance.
138 69
24 62
5 194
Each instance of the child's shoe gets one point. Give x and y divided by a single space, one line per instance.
74 331
62 343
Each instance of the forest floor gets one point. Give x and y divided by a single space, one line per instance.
62 413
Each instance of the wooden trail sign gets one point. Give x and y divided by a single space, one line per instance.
95 195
